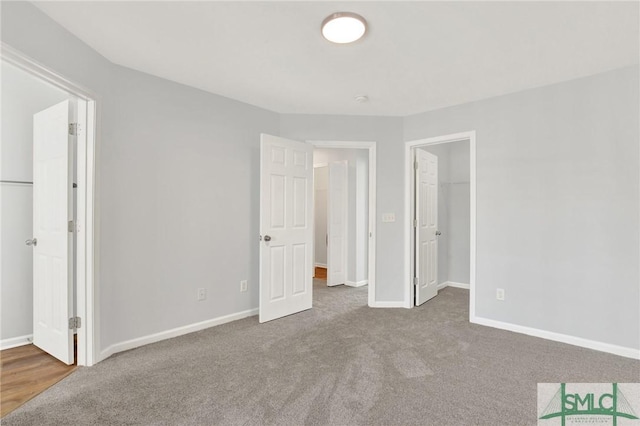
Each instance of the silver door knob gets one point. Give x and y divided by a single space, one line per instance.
438 233
32 242
267 238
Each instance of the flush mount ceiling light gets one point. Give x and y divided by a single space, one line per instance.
343 27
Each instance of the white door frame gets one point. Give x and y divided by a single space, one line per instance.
86 215
371 147
408 197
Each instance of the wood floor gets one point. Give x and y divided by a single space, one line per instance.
25 372
321 273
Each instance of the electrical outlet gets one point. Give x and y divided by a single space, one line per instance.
202 294
243 285
500 293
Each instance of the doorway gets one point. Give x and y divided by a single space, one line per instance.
320 208
341 215
360 158
76 226
440 213
287 225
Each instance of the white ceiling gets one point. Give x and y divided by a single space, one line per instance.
417 56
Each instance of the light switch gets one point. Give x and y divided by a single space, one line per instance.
389 217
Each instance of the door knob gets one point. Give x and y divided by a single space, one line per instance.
32 242
438 233
267 238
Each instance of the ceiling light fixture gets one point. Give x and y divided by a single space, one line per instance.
343 27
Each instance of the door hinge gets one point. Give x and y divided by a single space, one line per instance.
71 226
415 165
73 129
415 223
74 323
415 280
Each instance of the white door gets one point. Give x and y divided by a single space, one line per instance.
52 243
426 238
337 223
286 227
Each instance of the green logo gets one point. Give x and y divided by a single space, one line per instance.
565 404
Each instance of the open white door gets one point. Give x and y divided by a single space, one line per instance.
337 223
426 237
286 227
52 241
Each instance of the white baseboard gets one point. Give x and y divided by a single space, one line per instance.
356 283
320 265
457 285
14 342
453 284
175 332
388 305
558 337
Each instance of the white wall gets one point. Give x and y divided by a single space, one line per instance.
456 189
557 204
180 206
453 211
21 97
361 225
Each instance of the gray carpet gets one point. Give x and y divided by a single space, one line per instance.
340 363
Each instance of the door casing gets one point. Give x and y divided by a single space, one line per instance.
409 290
86 214
371 147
